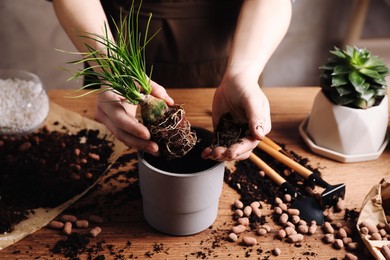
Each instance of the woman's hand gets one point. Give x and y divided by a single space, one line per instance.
261 26
120 118
245 101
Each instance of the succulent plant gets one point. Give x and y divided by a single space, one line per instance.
354 78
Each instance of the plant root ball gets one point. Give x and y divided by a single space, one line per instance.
173 133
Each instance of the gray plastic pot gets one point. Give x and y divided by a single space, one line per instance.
181 197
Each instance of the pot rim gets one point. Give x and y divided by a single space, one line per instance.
182 175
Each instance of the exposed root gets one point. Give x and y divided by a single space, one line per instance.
173 134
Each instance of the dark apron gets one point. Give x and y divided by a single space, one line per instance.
194 41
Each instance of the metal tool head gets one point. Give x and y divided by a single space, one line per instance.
309 209
332 194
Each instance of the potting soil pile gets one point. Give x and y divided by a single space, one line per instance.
44 172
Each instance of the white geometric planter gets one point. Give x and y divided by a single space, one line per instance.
346 134
181 203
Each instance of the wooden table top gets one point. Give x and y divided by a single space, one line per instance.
130 237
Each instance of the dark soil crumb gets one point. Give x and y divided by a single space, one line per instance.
228 132
71 246
45 169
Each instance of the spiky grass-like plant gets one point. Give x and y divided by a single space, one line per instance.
354 77
120 67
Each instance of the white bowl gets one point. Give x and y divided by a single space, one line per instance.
24 102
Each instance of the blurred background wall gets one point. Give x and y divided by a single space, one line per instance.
30 33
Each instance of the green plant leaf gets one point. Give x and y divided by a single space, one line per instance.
342 100
341 69
337 52
356 79
370 73
374 61
339 80
381 81
343 90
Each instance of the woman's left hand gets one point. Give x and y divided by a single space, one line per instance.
246 102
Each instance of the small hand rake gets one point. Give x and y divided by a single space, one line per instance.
332 193
307 206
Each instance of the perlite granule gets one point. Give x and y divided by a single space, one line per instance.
24 106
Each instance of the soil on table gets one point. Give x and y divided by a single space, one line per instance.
45 169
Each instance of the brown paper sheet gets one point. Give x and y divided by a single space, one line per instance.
373 211
74 122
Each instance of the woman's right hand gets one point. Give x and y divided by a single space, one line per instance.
120 118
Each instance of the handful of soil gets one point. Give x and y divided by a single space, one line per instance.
229 132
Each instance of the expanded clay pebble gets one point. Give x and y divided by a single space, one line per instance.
293 212
262 231
338 244
290 231
276 251
385 250
295 219
312 228
295 238
56 225
341 233
278 210
364 231
376 236
233 237
353 246
266 227
328 238
283 206
278 201
95 231
383 233
247 211
68 218
262 173
82 223
238 229
238 204
67 228
257 212
243 221
347 240
328 229
303 229
283 218
348 230
255 205
282 233
238 213
249 241
371 228
287 197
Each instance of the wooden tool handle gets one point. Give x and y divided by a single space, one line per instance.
304 172
271 143
273 175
